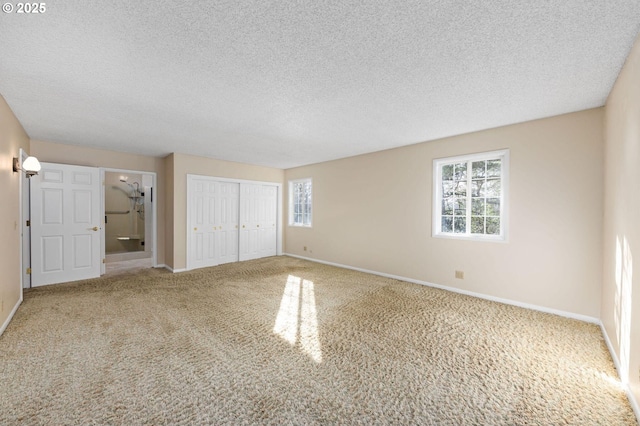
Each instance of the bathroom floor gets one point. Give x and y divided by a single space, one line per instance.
115 268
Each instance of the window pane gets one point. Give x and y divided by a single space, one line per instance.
493 225
447 224
477 206
461 189
493 188
447 172
297 218
460 206
478 169
477 188
460 171
477 225
447 188
494 168
447 206
460 224
493 206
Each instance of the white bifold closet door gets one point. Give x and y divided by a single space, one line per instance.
213 213
229 221
258 212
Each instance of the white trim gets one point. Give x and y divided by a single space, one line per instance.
436 220
175 271
616 362
22 192
539 308
614 357
11 314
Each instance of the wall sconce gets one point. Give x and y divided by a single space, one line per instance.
30 166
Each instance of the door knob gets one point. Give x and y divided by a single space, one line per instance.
95 228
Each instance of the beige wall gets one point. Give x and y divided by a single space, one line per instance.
183 164
84 156
621 283
12 138
374 212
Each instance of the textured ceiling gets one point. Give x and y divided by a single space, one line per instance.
284 83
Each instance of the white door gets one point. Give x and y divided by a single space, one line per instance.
249 224
213 222
267 215
65 220
258 213
227 222
201 196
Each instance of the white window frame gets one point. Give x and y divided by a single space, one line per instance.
291 212
438 163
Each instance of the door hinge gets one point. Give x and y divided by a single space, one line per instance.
104 260
28 271
28 223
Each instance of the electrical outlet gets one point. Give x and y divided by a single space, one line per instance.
460 275
305 248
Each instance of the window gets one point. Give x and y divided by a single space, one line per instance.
470 196
300 202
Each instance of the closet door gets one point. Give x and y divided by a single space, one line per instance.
267 215
202 198
227 222
249 224
258 213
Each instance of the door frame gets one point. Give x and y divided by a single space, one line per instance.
154 214
279 227
25 231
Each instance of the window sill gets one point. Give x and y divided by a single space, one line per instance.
480 238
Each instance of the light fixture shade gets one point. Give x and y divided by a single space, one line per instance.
31 164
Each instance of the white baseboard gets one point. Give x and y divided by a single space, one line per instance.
11 314
175 271
566 314
616 362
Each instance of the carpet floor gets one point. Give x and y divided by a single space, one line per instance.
286 341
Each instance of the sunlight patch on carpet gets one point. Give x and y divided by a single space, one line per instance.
297 319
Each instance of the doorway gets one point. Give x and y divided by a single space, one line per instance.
129 220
